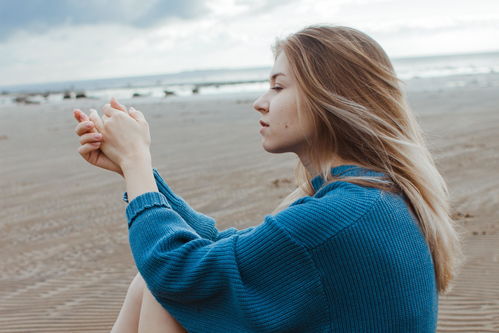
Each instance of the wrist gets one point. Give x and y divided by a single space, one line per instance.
135 162
139 177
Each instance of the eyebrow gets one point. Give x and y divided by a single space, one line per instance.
273 76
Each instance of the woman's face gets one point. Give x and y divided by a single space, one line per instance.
278 109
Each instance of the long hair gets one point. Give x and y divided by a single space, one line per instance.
349 90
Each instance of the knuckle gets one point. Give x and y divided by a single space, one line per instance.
83 139
82 128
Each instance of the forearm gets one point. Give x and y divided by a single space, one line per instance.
139 177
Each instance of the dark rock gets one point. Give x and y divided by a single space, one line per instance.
81 94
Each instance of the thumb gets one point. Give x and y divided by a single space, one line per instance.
94 116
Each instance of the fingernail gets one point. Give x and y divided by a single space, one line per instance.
98 136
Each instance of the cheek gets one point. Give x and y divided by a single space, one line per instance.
289 121
285 116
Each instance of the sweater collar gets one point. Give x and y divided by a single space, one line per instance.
346 170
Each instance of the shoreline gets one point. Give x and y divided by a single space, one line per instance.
223 89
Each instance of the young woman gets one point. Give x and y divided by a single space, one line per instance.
364 244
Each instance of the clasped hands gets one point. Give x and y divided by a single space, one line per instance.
117 140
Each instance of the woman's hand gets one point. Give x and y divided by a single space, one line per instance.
126 137
90 140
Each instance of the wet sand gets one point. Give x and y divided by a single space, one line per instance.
65 263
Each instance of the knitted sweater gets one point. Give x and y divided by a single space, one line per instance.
347 259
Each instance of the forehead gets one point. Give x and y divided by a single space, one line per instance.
280 64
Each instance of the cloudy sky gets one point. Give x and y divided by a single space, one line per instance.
60 40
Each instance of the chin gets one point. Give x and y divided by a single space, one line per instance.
274 149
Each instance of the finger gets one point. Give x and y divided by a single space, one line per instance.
90 138
84 127
136 114
109 111
94 116
114 104
88 148
79 115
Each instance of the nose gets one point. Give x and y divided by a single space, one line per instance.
261 104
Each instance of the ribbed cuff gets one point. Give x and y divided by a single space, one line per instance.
145 201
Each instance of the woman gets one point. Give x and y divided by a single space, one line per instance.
364 244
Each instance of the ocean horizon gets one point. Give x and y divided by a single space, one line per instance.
219 81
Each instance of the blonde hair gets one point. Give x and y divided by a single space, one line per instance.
349 90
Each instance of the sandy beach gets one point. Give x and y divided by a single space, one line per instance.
65 262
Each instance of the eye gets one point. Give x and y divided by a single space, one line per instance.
276 88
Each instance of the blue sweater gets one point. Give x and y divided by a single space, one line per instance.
347 259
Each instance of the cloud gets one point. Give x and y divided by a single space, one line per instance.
39 16
113 38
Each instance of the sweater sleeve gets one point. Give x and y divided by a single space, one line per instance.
258 280
204 225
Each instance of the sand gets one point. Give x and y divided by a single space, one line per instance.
65 263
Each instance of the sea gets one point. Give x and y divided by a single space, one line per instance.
229 81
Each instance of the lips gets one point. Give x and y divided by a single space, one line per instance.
264 124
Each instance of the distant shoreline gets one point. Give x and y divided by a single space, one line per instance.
406 68
428 84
